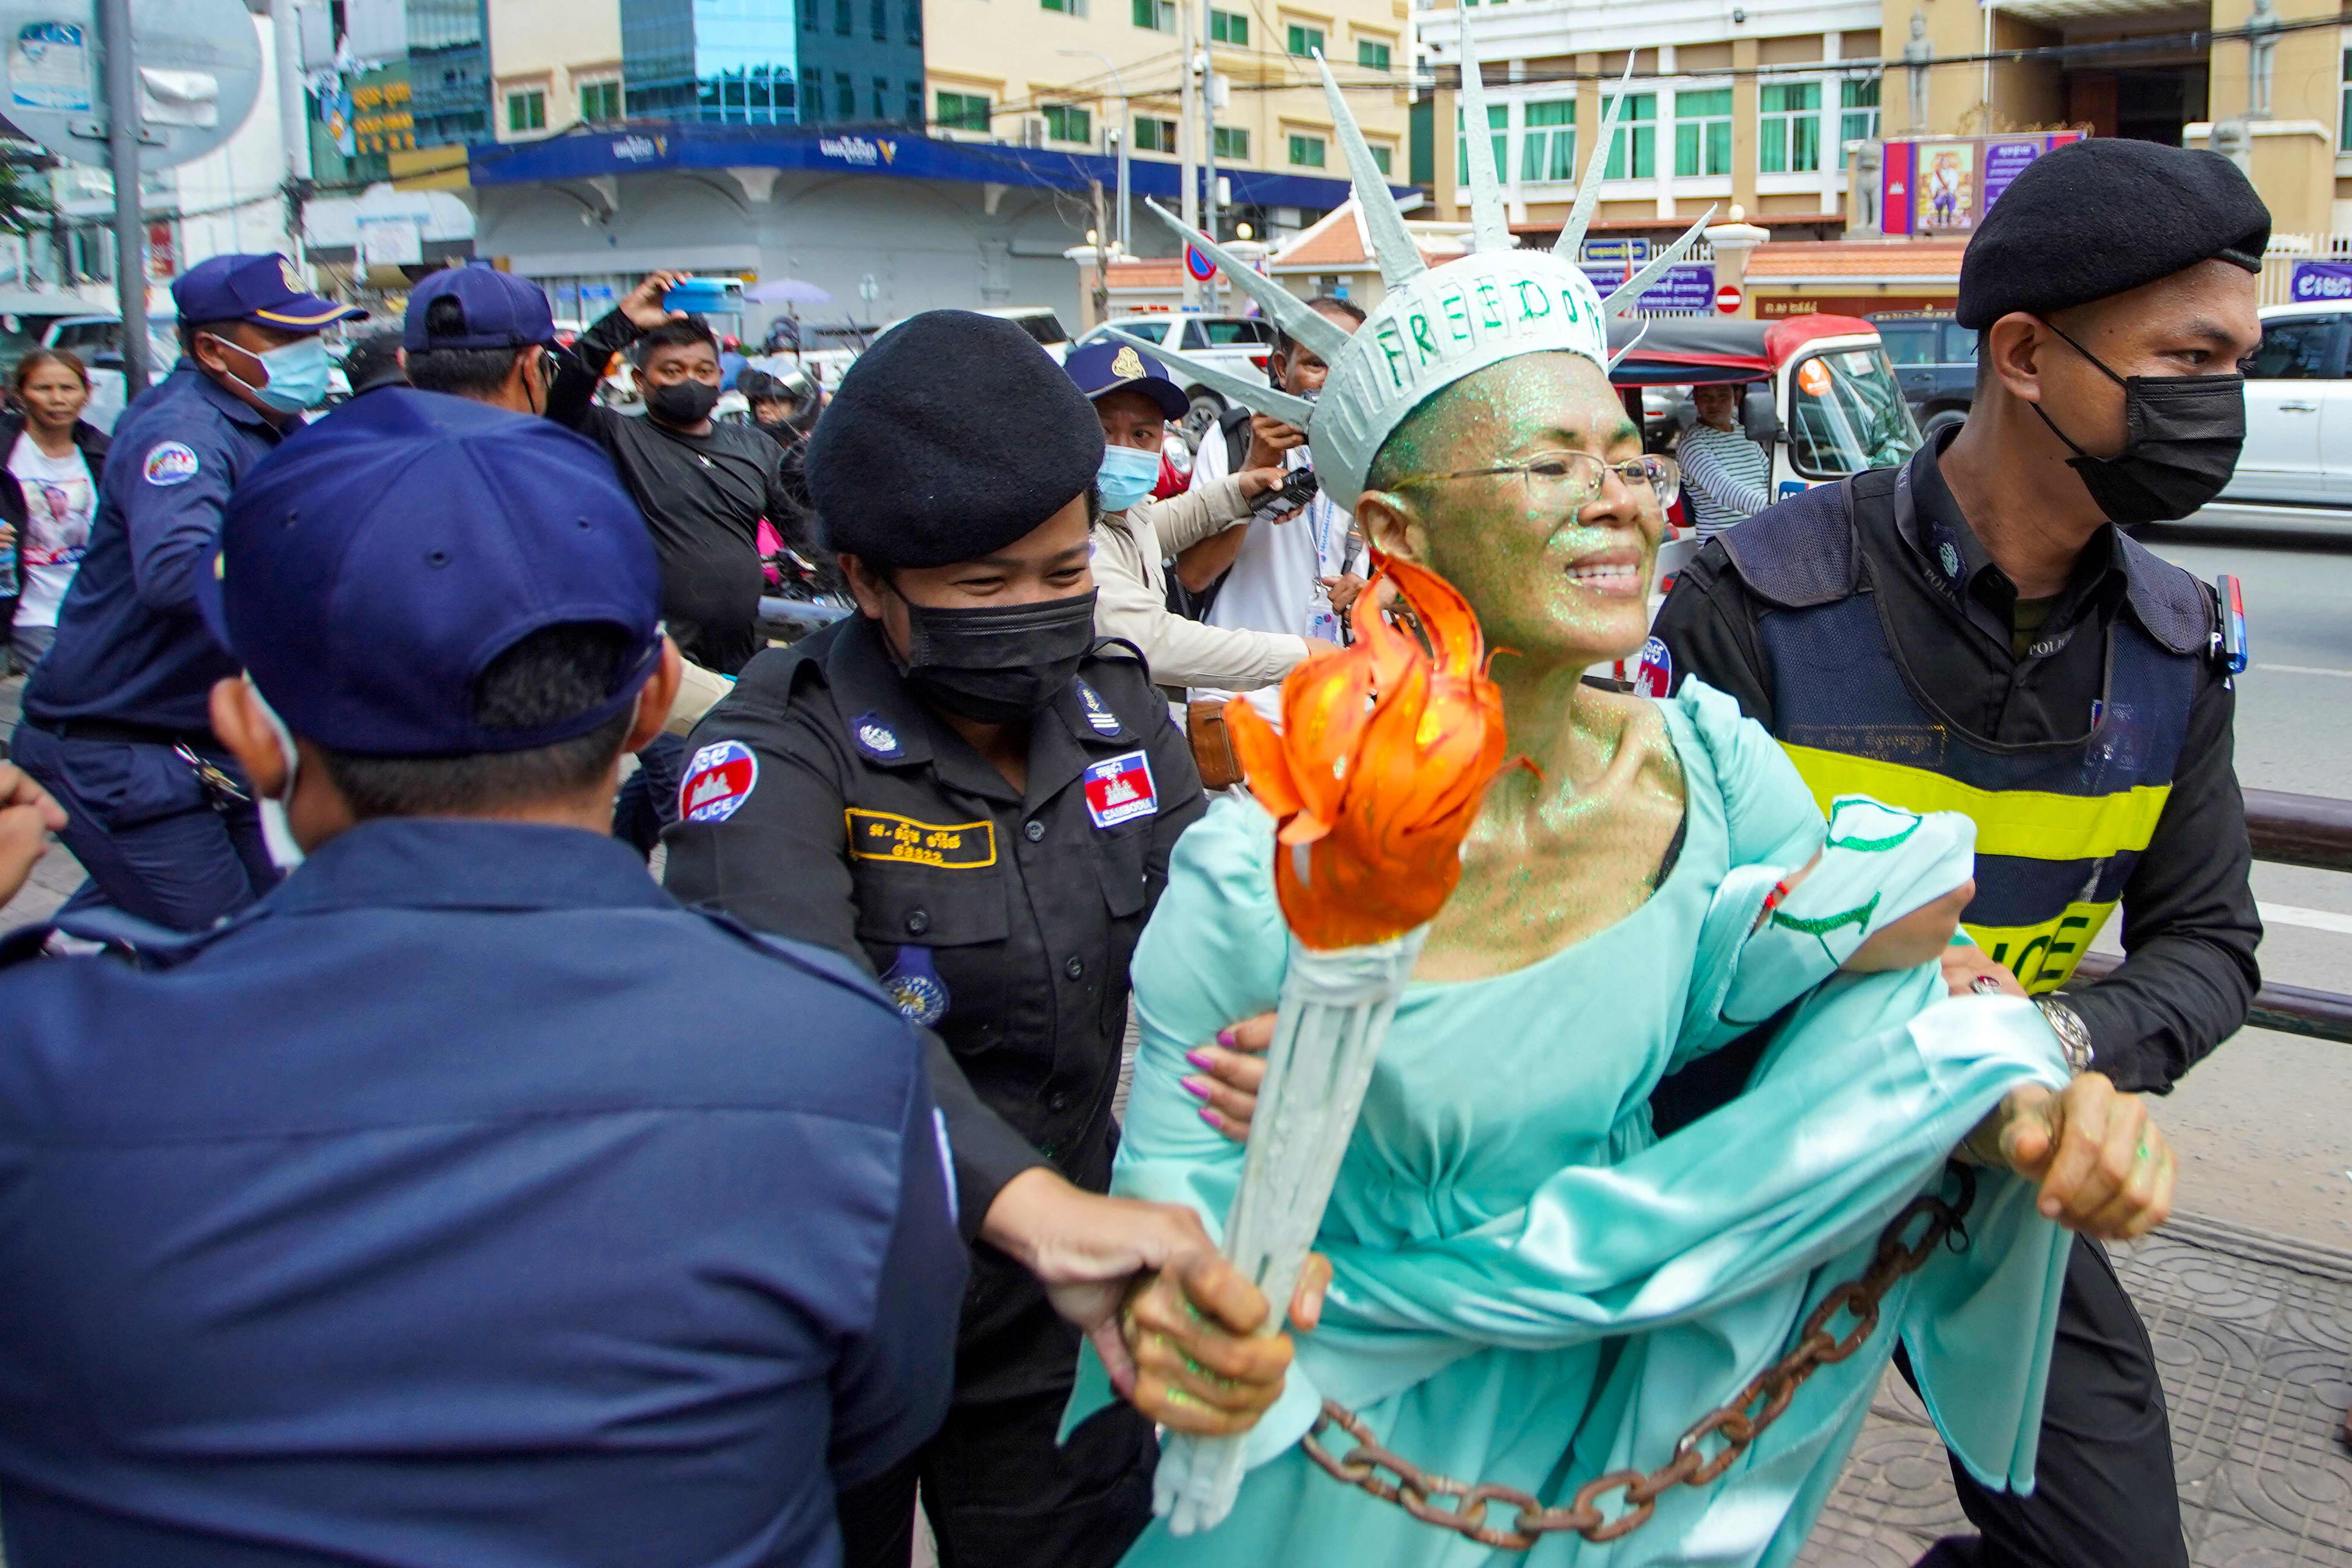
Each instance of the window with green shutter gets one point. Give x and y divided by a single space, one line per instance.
1703 132
1306 40
1633 155
1789 127
962 111
1859 99
527 111
1068 122
1372 56
1232 144
1160 15
1229 28
1306 151
1499 120
1152 135
1380 156
599 100
1548 142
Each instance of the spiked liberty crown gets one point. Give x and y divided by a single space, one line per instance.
1433 326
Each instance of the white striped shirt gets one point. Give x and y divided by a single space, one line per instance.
1726 476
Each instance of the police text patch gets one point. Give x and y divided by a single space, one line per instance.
718 781
171 463
957 847
1118 789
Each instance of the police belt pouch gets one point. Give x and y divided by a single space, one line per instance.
1213 748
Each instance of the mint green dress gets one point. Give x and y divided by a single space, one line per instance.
1529 1286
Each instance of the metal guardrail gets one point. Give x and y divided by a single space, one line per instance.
2287 830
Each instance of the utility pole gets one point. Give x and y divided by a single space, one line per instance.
1121 128
122 126
1186 146
293 125
1208 78
1101 238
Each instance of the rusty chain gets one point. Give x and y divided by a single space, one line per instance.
1461 1508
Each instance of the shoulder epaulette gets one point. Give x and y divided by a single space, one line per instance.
2178 610
1799 552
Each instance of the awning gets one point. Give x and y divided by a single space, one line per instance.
652 149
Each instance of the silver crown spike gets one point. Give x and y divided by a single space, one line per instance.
1489 230
1627 292
1289 311
1588 191
1393 243
1255 395
1618 358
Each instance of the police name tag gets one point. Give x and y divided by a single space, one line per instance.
1118 789
953 845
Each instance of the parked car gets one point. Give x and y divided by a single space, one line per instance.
1935 360
1239 345
2298 409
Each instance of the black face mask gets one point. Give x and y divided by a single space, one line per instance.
687 401
2183 437
998 663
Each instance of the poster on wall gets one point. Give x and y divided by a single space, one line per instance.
1943 186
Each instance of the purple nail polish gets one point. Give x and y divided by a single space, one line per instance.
1213 1119
1197 1087
1200 1058
1225 1038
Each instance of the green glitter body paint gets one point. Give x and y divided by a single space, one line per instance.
1552 860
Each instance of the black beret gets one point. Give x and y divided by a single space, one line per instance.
2101 216
950 437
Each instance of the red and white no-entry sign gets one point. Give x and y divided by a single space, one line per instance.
1726 299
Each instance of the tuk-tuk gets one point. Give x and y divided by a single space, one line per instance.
1820 396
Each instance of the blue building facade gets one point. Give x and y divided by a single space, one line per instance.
766 62
449 71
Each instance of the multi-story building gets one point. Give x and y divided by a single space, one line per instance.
1077 74
558 65
1787 109
1751 105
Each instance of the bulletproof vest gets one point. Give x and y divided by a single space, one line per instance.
2060 824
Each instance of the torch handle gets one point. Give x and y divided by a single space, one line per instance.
1334 1012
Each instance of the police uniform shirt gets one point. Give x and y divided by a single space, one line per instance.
824 801
465 1201
130 647
1949 613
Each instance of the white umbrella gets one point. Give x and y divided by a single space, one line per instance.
787 292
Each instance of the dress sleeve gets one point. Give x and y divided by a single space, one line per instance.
1772 816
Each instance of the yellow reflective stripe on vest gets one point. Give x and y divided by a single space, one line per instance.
2033 824
2043 956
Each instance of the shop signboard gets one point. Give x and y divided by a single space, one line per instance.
1938 185
2320 280
1685 287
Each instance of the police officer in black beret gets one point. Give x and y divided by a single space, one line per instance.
1974 631
963 788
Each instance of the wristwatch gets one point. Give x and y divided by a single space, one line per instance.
2074 1040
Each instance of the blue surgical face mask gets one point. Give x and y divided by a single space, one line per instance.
297 374
1126 477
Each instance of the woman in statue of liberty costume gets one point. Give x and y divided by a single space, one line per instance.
1529 1287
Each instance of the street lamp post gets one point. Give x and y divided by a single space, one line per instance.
1119 134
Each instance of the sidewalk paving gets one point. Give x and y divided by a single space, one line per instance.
2253 1332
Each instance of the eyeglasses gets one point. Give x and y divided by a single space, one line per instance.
1575 479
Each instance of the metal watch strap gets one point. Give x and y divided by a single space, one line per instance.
2073 1038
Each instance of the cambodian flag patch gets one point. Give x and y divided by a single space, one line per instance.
718 781
171 463
1655 677
1118 789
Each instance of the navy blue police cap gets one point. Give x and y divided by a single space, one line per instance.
375 565
264 288
1101 369
495 310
